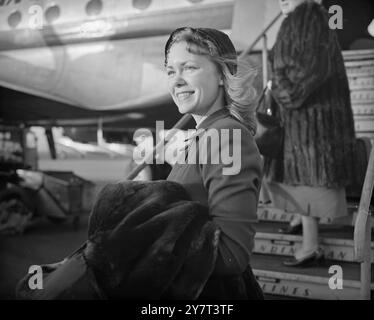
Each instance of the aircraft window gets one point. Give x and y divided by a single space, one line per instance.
14 19
195 1
52 13
94 7
141 4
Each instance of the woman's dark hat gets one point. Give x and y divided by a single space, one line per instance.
220 40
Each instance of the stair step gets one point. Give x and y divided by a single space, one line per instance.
359 63
366 134
362 96
268 213
359 72
364 122
359 66
361 83
363 109
336 241
309 283
360 69
350 55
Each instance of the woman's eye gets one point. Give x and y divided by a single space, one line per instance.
170 73
190 67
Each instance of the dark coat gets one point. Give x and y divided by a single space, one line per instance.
232 198
146 240
310 84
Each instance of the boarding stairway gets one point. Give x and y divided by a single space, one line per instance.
336 237
272 247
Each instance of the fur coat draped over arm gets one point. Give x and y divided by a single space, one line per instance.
146 240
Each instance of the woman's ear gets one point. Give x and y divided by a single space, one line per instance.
221 82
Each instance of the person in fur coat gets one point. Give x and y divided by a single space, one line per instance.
310 85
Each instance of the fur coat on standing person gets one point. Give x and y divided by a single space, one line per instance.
310 85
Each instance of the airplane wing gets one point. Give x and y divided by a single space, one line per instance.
70 62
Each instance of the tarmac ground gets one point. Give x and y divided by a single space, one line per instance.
43 242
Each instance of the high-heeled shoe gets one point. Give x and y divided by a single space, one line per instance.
311 260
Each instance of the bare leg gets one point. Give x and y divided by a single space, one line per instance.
310 237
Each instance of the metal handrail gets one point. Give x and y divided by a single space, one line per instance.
362 231
156 149
259 37
263 36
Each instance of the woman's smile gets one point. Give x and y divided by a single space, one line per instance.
184 95
194 81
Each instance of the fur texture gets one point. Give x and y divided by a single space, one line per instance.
149 241
146 240
310 84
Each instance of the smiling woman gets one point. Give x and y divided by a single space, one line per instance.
205 81
234 79
194 82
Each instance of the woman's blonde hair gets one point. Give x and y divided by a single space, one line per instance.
238 76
